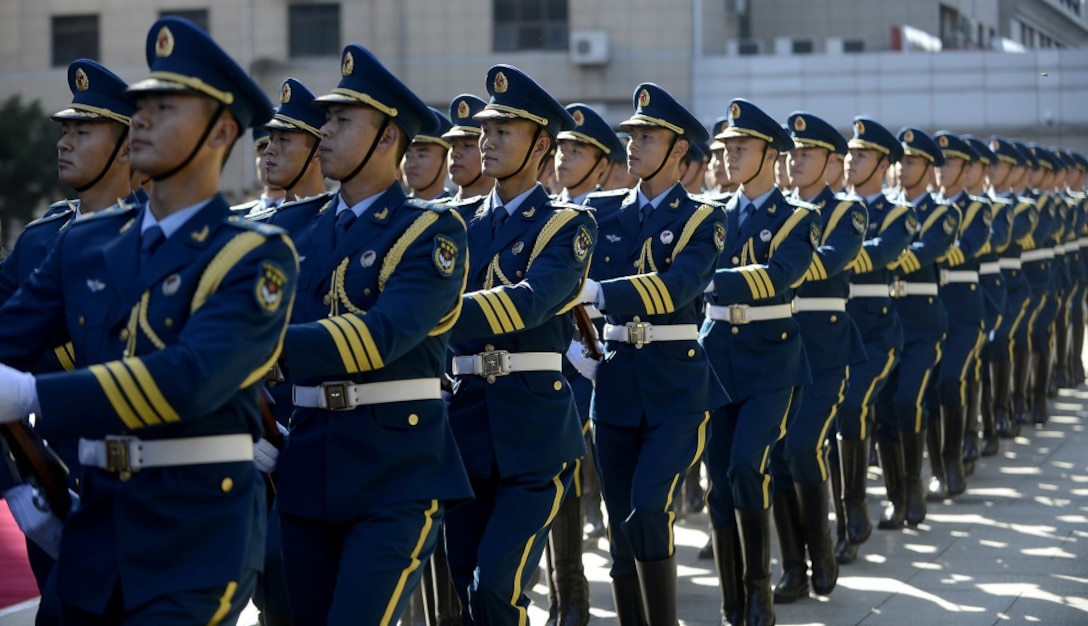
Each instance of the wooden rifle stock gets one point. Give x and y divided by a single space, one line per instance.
39 466
272 432
588 332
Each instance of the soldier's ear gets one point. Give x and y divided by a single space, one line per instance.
680 148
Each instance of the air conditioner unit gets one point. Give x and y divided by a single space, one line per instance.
589 47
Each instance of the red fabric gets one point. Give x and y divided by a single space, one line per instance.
16 580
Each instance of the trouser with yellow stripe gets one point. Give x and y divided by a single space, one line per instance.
902 403
742 435
220 604
801 456
494 542
361 571
642 471
959 362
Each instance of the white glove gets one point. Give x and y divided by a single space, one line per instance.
18 395
35 519
265 454
586 366
591 292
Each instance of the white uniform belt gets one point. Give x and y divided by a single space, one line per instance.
593 312
805 305
737 314
1037 255
902 289
1082 242
959 276
869 291
346 395
125 455
1009 264
501 363
1060 249
991 267
642 333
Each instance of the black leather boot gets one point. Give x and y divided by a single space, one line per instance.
729 561
1058 374
854 456
755 540
1001 377
938 482
658 582
845 552
954 424
970 432
591 498
891 463
987 415
627 599
694 497
568 574
1021 370
825 569
447 609
791 546
1076 365
1040 360
913 446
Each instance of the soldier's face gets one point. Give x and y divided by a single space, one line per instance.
647 149
422 165
346 136
165 127
285 156
808 166
744 156
999 174
574 160
860 165
913 171
975 172
504 144
464 160
951 173
84 149
717 167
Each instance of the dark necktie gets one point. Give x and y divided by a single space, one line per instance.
344 221
749 209
150 240
498 218
644 212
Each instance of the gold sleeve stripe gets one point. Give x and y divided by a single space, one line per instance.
863 262
501 313
132 392
637 284
655 297
226 259
697 218
151 390
748 278
765 279
355 342
787 227
64 355
115 397
489 313
909 262
817 269
372 353
510 309
341 343
662 289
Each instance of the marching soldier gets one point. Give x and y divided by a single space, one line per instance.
873 150
646 442
512 411
424 165
767 251
174 311
832 344
463 157
1067 254
271 196
1077 304
370 464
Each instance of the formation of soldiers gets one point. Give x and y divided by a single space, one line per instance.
435 387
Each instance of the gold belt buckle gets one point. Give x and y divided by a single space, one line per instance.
336 396
118 460
738 314
899 288
637 333
493 364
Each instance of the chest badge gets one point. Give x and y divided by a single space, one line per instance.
666 237
368 258
95 285
517 247
613 238
764 235
171 285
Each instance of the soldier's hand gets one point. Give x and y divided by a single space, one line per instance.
586 366
591 292
18 395
265 455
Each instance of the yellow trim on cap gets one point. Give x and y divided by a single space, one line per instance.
641 119
366 99
1006 158
521 113
196 84
812 143
736 131
462 131
97 111
297 123
909 151
956 154
582 137
431 139
867 145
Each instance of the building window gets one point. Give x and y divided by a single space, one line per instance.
196 16
530 24
314 30
74 37
853 45
803 46
748 47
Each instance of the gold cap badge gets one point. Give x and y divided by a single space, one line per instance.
859 127
463 110
734 111
348 66
500 83
799 124
164 43
83 83
908 136
644 98
285 93
942 141
579 117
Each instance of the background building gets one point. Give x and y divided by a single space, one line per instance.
835 58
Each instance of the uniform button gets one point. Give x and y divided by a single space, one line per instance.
784 335
518 273
124 334
972 287
834 318
635 265
931 300
81 320
490 379
668 259
607 259
489 348
366 292
558 386
168 322
998 283
227 484
735 330
635 319
884 311
691 352
413 419
735 260
326 300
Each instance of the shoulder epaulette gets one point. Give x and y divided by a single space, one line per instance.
1002 201
801 204
570 205
50 217
267 230
1026 200
462 202
611 193
848 195
305 202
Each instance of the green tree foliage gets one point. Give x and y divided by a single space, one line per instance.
28 161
